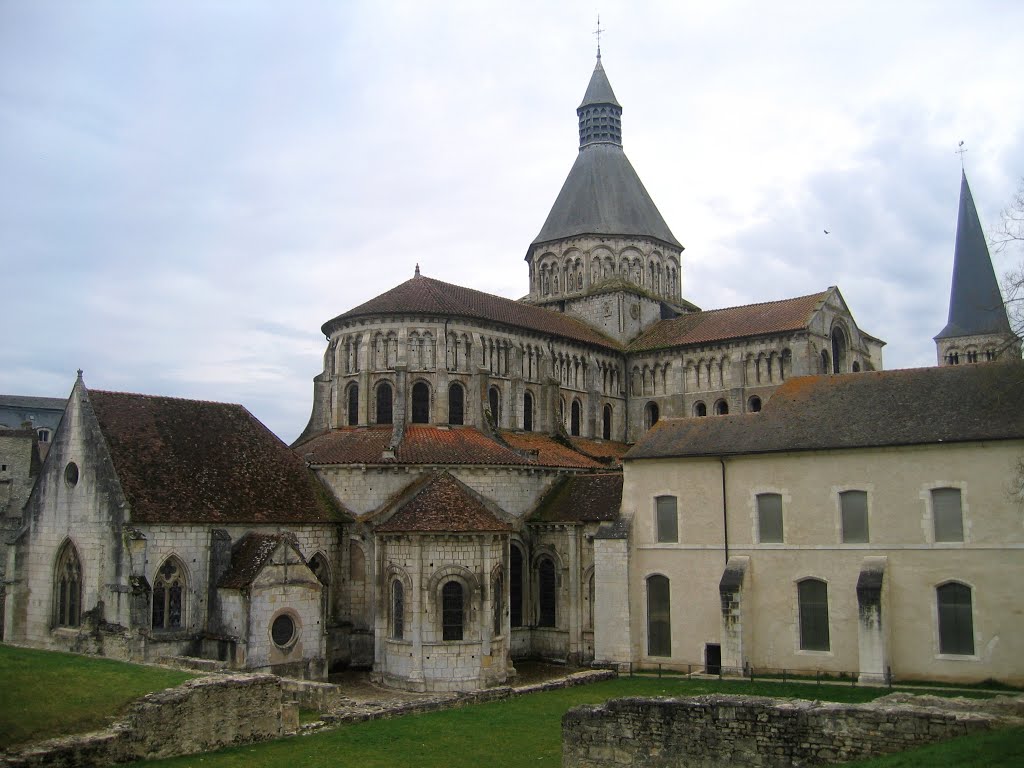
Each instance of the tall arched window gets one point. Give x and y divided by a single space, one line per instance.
574 420
956 620
498 602
839 345
547 593
451 611
169 595
606 427
67 588
456 404
397 610
318 565
812 595
420 403
699 409
494 402
384 404
528 412
659 616
650 415
721 408
353 405
515 587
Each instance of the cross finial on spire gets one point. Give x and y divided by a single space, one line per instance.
960 152
417 270
597 34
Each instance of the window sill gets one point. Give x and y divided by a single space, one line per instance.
809 652
957 657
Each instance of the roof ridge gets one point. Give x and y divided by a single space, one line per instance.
163 397
762 303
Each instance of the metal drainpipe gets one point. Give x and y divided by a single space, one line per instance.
725 511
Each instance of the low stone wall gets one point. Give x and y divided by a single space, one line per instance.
197 716
722 731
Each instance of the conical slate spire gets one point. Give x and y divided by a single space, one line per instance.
975 303
600 115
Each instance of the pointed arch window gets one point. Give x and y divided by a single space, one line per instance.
384 404
67 587
169 595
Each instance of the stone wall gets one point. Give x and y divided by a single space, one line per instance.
725 731
198 716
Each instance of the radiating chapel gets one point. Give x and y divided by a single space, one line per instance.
458 499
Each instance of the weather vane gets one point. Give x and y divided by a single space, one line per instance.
960 151
597 33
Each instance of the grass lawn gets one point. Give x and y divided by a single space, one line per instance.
45 694
983 750
524 731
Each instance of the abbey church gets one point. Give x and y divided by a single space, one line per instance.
596 473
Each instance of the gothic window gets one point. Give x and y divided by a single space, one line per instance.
169 595
659 616
515 586
754 404
67 588
452 611
353 405
497 603
398 610
494 403
456 404
650 415
527 411
700 409
947 514
853 509
547 596
839 346
606 427
812 596
666 519
420 403
575 418
721 408
769 518
318 565
384 404
956 621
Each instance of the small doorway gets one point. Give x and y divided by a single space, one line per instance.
713 659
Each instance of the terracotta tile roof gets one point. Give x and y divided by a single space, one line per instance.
427 296
440 505
858 410
549 451
581 498
248 557
730 323
192 461
420 444
601 449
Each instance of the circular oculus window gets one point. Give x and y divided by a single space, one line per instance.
71 474
282 631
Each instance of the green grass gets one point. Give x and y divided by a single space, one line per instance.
981 750
524 731
45 694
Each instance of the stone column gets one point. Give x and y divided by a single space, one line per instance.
871 637
418 598
575 596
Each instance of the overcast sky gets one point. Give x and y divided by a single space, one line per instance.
189 190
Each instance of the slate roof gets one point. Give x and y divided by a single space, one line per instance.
975 303
599 89
248 557
443 504
716 325
581 499
426 296
860 410
192 461
28 401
